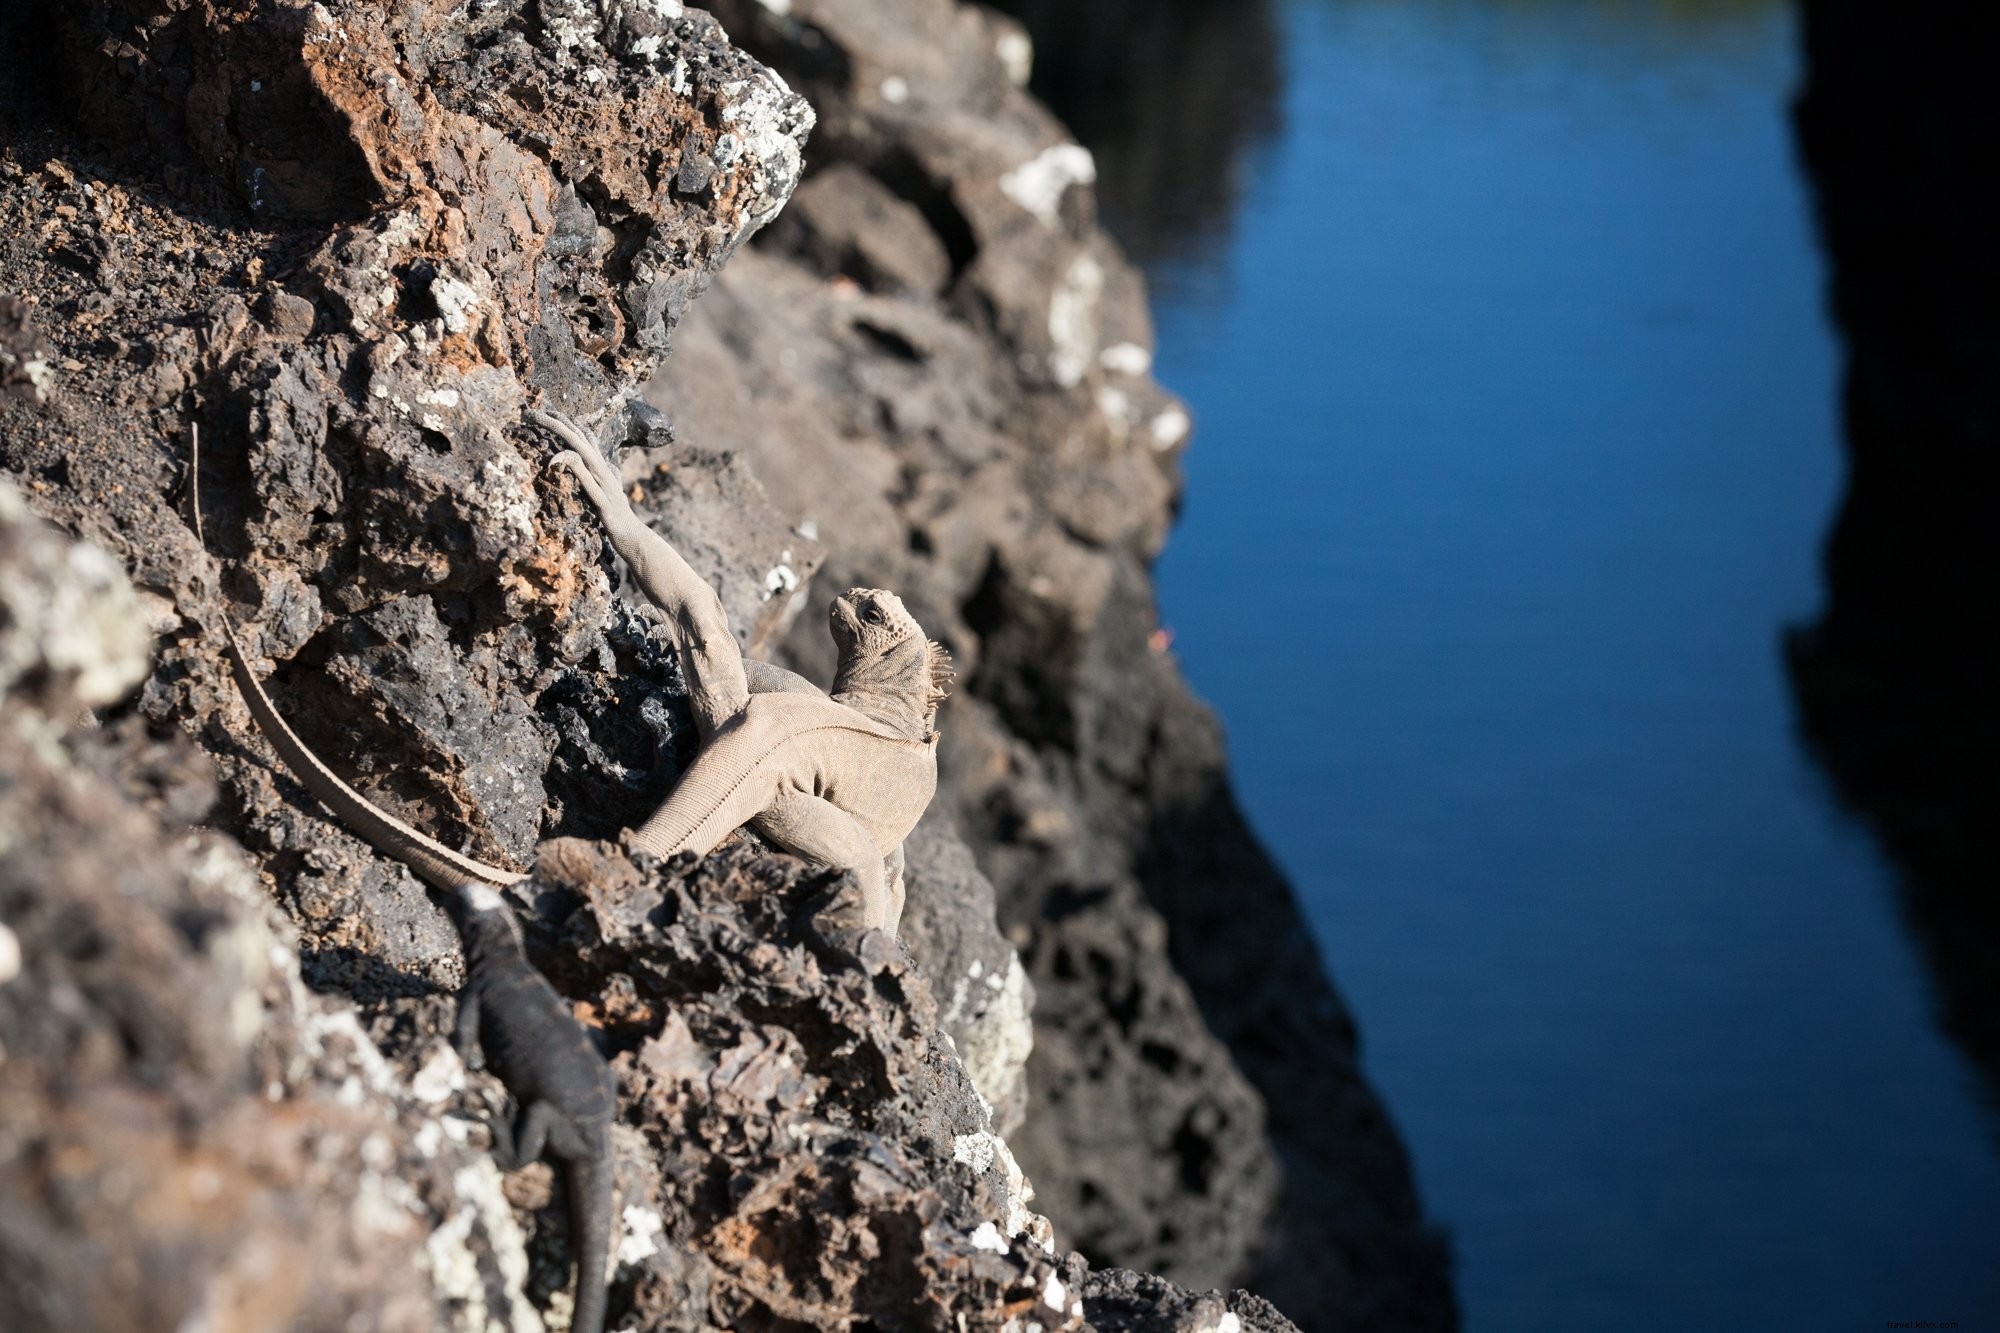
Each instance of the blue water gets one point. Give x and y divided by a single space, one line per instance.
1517 439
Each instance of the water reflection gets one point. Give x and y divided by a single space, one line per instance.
1517 438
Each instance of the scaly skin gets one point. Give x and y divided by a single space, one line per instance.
564 1094
838 780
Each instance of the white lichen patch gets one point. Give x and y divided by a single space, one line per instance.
507 497
456 301
780 578
442 1075
334 1035
639 1238
1115 406
976 1150
41 376
1125 359
1073 321
243 951
1038 185
1054 1296
453 1262
991 1010
1017 55
77 621
770 122
428 1139
384 1203
986 1237
571 23
10 954
1169 428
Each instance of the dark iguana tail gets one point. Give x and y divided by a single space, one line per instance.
590 1203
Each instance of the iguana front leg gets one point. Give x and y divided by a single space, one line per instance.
820 831
518 1143
465 1032
717 685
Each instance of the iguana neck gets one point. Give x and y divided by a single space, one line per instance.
487 936
892 688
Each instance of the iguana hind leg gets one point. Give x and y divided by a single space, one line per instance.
892 876
717 686
823 833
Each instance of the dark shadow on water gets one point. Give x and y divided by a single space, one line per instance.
1898 683
1249 957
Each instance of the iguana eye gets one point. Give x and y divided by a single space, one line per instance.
873 615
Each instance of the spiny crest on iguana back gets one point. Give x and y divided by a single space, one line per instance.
888 670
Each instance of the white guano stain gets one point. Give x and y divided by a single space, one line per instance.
1073 321
639 1238
1017 55
1125 359
1038 185
456 301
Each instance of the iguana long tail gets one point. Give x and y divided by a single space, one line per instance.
590 1202
436 863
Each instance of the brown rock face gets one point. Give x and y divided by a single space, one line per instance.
349 242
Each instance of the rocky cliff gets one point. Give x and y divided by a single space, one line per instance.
347 243
1895 681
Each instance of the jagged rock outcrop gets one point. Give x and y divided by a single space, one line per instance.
1895 681
349 243
191 1136
937 360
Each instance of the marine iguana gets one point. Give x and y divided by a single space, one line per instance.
839 780
564 1095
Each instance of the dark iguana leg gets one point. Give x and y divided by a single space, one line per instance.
827 835
516 1145
717 687
465 1031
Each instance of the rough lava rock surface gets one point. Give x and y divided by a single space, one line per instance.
937 360
348 243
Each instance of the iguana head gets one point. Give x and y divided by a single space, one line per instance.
887 668
484 921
